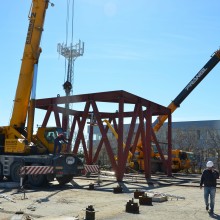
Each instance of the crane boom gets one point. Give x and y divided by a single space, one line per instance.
158 123
215 58
213 61
30 58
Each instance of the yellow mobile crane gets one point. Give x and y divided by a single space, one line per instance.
18 146
177 163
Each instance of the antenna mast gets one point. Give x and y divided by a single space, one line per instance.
70 53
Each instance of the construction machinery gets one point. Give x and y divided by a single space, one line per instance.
181 160
138 160
181 164
18 146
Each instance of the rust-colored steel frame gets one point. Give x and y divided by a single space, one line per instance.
143 110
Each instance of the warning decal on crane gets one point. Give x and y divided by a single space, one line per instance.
91 168
34 170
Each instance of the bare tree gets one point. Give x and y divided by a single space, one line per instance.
213 145
185 140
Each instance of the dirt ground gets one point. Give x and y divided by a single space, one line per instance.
185 199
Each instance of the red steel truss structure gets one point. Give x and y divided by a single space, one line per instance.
142 109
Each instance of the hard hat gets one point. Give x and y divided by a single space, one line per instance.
209 164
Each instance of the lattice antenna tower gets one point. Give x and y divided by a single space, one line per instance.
70 53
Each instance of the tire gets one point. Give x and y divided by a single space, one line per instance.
64 179
161 168
15 171
175 171
136 166
154 167
37 180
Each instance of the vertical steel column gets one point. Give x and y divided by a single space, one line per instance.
90 143
144 144
121 166
148 141
169 160
65 121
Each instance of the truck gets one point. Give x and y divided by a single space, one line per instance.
177 164
18 146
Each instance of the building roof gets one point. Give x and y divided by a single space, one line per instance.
214 124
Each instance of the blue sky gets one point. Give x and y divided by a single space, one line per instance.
149 48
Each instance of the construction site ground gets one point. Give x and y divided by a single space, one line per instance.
184 198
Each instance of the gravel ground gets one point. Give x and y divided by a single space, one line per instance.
70 201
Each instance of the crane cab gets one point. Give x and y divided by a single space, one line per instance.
46 135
